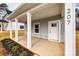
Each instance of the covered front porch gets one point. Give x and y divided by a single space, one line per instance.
44 49
34 42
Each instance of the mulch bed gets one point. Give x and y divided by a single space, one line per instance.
12 48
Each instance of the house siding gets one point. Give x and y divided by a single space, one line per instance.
13 26
44 27
62 30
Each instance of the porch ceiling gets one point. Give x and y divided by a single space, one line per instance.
21 9
50 10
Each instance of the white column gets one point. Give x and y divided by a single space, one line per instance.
10 28
16 30
28 30
70 30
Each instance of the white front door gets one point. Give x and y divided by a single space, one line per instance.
53 30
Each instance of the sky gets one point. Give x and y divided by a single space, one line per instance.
13 6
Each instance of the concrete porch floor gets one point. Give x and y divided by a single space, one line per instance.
44 47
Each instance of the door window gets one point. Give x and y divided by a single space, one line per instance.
53 25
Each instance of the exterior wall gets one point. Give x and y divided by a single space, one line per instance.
13 26
62 30
25 30
44 27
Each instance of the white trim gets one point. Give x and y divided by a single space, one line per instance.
59 29
37 7
15 10
16 30
70 44
34 28
29 44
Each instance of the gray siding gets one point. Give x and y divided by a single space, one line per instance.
44 27
13 26
62 30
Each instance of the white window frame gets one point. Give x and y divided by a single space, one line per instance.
34 28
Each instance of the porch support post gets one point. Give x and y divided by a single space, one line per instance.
16 30
10 28
69 30
28 30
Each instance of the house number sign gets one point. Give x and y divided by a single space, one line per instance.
68 16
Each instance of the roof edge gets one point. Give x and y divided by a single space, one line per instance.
21 5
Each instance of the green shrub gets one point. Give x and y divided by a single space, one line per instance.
23 53
14 48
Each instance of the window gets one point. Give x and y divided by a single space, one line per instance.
37 28
76 9
53 25
21 27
